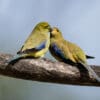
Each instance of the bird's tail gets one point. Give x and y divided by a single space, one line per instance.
89 57
91 71
14 59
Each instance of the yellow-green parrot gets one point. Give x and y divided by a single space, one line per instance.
68 52
37 43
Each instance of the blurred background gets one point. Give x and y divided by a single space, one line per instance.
79 20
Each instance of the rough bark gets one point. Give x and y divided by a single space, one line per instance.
45 70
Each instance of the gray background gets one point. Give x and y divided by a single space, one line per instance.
79 20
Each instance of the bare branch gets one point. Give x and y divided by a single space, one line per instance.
45 70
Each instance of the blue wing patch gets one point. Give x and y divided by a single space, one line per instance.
41 46
58 52
38 48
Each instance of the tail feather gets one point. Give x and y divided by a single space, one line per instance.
91 71
89 57
14 59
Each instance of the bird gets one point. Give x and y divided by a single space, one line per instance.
37 44
68 52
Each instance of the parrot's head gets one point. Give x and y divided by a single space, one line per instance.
43 26
55 32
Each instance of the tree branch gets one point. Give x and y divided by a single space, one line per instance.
45 70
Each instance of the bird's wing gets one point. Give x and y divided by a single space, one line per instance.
34 49
36 41
62 52
77 52
57 51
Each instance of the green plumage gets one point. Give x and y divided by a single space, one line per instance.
38 36
66 51
37 43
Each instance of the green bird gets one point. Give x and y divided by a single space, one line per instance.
68 52
37 43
